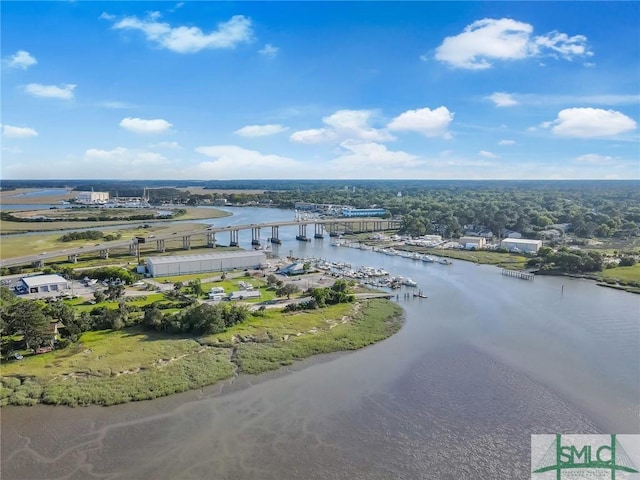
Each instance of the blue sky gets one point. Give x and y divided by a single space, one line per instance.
237 90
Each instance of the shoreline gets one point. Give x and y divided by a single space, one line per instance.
205 367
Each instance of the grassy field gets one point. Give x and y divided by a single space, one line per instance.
110 367
192 213
504 260
629 274
18 246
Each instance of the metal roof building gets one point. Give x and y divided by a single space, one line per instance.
207 262
45 283
522 244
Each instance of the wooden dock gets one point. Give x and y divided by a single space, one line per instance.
518 274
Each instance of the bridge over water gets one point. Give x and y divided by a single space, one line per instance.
208 238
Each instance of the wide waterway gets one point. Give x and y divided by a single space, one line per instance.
478 367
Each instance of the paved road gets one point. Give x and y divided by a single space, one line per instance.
123 244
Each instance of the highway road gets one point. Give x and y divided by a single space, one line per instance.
124 244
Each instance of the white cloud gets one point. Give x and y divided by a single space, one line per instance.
260 130
563 45
552 99
343 125
116 105
313 136
64 92
507 142
489 39
486 154
269 51
106 16
231 161
21 59
590 123
10 131
370 159
167 145
185 39
430 123
595 159
139 125
502 99
123 157
355 124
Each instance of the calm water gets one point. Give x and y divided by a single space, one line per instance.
480 365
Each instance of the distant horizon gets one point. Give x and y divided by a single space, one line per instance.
501 90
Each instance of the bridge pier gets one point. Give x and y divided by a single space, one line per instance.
72 258
302 233
186 242
255 236
211 240
333 230
38 264
133 248
160 245
233 241
274 235
318 231
104 253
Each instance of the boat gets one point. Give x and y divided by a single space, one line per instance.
420 294
428 259
445 261
409 283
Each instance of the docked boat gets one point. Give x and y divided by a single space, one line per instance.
407 282
428 259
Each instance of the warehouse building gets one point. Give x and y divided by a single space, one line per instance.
92 198
207 262
521 245
470 243
43 284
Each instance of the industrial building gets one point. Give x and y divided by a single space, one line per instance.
521 244
470 242
207 262
92 198
363 212
44 284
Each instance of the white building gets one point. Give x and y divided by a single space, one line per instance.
92 198
473 242
45 284
521 244
207 262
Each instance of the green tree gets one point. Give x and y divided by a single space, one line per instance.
115 291
99 296
196 287
28 317
287 289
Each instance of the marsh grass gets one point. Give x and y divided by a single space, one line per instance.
111 367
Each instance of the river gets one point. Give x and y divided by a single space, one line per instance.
478 367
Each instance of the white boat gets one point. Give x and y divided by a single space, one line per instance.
409 283
445 261
428 259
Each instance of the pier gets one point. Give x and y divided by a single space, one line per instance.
518 274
